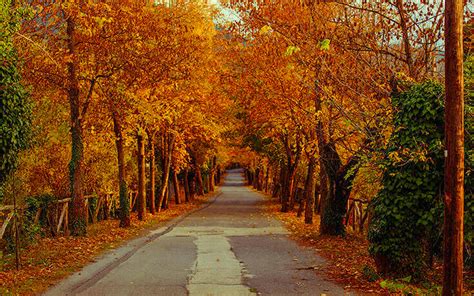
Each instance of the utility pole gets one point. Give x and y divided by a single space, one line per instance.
454 150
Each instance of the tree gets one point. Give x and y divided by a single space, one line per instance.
15 103
71 32
306 68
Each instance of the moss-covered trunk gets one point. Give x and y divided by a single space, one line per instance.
141 198
78 221
309 192
200 182
167 156
151 198
123 188
177 198
340 183
212 176
187 195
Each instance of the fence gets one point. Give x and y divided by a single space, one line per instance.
105 205
356 217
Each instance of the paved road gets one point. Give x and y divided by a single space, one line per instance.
227 248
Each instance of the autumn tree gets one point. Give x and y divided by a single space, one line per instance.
338 119
71 42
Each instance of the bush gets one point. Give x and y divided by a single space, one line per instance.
15 106
405 229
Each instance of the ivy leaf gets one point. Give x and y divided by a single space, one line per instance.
290 50
265 30
324 44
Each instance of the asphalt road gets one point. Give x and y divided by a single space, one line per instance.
227 248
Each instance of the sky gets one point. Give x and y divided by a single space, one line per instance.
228 15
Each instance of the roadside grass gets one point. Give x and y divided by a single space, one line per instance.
50 260
349 263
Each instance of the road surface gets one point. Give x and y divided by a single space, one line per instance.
229 247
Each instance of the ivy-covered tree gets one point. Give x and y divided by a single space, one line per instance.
14 100
469 158
406 223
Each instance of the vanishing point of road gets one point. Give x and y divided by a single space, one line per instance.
228 247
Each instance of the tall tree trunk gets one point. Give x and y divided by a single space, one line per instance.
454 143
324 180
285 190
199 180
166 170
169 196
219 174
281 182
293 188
267 178
205 179
151 143
290 195
292 161
78 221
260 180
187 197
309 192
123 188
177 198
256 178
164 204
335 207
330 218
192 187
212 175
141 198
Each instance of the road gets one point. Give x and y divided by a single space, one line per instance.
229 247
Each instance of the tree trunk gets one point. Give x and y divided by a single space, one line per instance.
141 198
151 143
267 178
166 170
289 188
187 196
299 197
219 174
260 181
317 197
323 182
309 192
78 222
454 143
124 213
285 190
292 161
205 180
177 198
278 182
212 175
164 204
294 186
192 187
169 195
335 207
256 179
199 180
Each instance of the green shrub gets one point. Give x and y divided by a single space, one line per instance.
406 223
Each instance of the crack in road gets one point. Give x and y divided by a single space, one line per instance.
91 281
217 269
